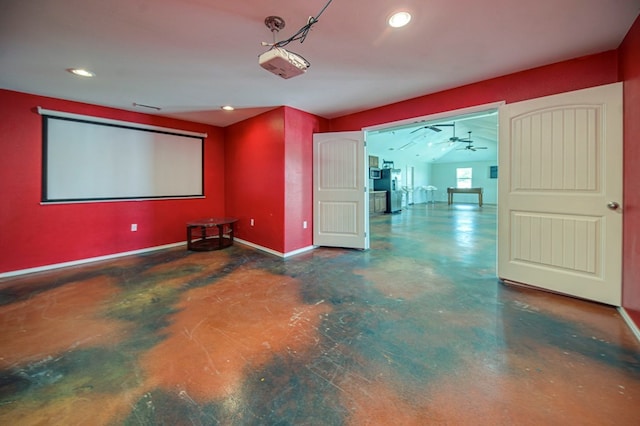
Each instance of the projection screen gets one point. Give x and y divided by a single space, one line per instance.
92 159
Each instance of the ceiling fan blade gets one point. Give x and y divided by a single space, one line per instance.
480 147
434 127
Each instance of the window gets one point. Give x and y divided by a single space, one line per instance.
463 177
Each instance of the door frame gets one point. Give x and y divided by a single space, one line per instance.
431 117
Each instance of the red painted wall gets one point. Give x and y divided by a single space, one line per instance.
565 76
254 178
269 177
298 175
33 235
630 72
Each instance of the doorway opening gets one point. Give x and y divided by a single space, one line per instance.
429 152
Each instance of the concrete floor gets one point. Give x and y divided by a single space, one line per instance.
416 331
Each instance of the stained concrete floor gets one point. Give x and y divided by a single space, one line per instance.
416 331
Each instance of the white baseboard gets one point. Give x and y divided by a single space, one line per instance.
632 325
88 260
145 250
299 251
274 252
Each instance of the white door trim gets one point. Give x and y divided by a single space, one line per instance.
435 116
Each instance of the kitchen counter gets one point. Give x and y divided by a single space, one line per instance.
377 202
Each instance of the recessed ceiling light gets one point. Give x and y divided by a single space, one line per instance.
227 108
399 19
81 72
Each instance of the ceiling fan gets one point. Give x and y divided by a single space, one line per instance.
469 145
435 127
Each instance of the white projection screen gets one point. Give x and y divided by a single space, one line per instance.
86 160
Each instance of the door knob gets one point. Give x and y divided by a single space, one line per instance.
613 205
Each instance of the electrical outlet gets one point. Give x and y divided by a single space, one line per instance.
251 222
304 224
134 227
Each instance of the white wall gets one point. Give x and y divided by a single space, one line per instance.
422 178
443 175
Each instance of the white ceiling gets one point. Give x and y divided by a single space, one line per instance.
189 57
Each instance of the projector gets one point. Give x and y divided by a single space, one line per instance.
283 63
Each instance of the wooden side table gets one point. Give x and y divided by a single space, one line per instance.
208 234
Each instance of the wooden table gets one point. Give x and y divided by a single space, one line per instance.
451 191
215 233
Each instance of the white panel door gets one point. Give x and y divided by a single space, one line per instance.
340 210
560 193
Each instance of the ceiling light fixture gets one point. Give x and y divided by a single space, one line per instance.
81 72
399 19
227 108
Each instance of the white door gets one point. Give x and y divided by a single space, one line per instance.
560 193
340 207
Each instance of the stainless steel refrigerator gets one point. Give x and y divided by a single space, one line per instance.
390 181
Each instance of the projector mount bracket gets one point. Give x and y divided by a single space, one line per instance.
275 24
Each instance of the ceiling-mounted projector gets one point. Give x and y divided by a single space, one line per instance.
283 63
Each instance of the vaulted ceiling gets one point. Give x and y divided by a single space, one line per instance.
458 138
190 57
